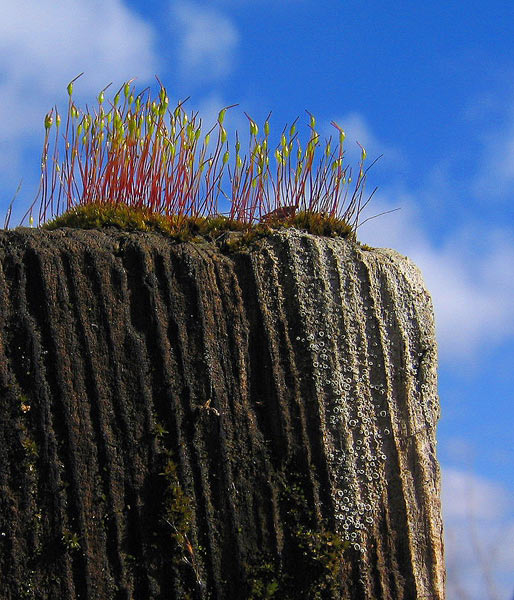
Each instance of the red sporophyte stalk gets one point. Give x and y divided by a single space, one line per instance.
139 153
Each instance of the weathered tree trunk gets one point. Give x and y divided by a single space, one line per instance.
177 421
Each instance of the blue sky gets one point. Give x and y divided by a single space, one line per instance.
428 85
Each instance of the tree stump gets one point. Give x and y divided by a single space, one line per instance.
180 422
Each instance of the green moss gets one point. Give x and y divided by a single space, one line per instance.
178 510
70 540
317 224
314 555
365 247
262 580
130 218
178 518
121 216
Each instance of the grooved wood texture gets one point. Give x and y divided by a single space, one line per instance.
291 386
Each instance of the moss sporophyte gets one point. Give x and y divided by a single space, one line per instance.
135 162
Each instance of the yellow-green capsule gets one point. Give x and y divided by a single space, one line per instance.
57 119
223 135
226 156
342 135
206 140
163 106
116 99
254 130
292 130
221 116
313 121
126 89
363 154
239 162
327 150
48 121
101 97
266 128
283 141
70 88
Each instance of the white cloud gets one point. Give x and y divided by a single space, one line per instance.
494 123
207 41
468 496
469 276
43 45
479 529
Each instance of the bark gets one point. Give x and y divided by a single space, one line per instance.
181 421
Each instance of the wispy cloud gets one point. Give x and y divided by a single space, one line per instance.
469 275
207 41
493 120
479 529
43 45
